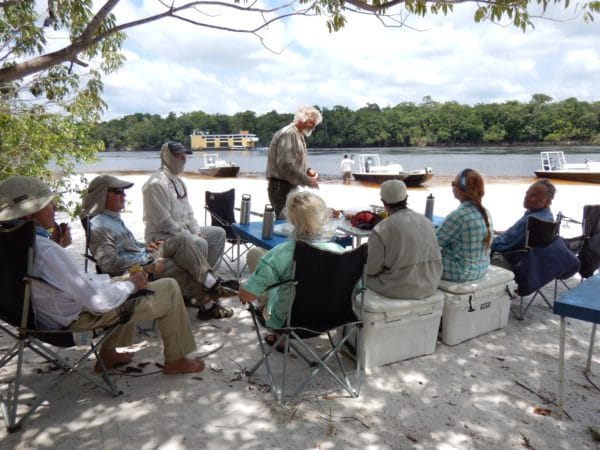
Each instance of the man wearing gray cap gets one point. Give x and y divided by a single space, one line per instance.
81 301
114 246
169 218
404 258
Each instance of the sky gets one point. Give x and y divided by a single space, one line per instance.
174 66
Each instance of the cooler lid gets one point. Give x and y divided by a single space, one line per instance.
493 277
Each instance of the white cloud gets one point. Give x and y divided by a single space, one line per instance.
175 66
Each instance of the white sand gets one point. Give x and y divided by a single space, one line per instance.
479 394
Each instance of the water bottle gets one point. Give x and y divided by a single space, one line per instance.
245 209
429 207
268 222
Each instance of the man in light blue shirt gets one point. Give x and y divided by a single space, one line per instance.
537 201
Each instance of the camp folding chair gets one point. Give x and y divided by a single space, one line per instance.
587 246
17 319
323 286
221 208
545 258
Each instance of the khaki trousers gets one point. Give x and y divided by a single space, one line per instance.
165 305
189 258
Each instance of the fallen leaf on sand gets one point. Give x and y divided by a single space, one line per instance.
541 411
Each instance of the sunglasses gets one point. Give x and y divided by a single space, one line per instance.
117 191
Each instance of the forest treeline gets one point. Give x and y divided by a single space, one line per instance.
407 124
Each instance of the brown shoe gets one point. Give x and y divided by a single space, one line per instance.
217 291
217 311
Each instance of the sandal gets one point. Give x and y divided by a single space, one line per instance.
271 339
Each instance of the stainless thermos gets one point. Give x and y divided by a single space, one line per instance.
245 209
429 207
268 222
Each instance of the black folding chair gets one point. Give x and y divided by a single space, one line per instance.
545 258
17 319
323 287
221 208
587 246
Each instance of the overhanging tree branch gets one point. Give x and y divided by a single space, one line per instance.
98 29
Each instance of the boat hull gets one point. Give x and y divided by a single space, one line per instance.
584 177
410 179
223 172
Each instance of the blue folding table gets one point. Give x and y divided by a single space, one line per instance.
583 303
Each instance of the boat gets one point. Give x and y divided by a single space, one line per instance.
370 169
202 140
215 167
554 165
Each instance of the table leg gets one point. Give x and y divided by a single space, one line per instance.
591 349
237 264
561 363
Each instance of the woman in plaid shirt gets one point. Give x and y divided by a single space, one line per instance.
466 234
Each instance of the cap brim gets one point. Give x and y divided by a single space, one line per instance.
120 184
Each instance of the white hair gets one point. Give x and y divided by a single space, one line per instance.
304 113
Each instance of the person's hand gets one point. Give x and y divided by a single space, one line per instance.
313 183
61 234
159 268
312 173
139 279
153 246
336 213
245 296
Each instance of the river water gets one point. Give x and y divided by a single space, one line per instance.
490 161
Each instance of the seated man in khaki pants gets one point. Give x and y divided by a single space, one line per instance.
84 300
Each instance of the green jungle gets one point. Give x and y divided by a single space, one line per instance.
407 124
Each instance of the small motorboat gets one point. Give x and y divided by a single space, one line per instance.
371 170
555 166
215 167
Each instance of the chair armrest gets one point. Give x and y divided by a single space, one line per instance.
89 257
281 283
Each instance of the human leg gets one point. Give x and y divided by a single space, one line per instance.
190 288
215 238
278 191
122 336
253 256
189 253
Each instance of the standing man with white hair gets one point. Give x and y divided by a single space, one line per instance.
169 218
404 258
287 167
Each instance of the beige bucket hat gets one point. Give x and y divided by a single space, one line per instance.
21 196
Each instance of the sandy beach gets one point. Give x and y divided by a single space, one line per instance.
498 390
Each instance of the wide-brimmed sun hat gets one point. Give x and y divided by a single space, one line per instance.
21 196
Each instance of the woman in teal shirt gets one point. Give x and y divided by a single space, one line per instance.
466 233
308 214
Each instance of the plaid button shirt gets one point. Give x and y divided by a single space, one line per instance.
464 255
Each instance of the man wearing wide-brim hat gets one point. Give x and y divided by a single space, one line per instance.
84 301
404 259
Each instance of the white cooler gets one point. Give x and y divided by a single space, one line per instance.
475 307
398 329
